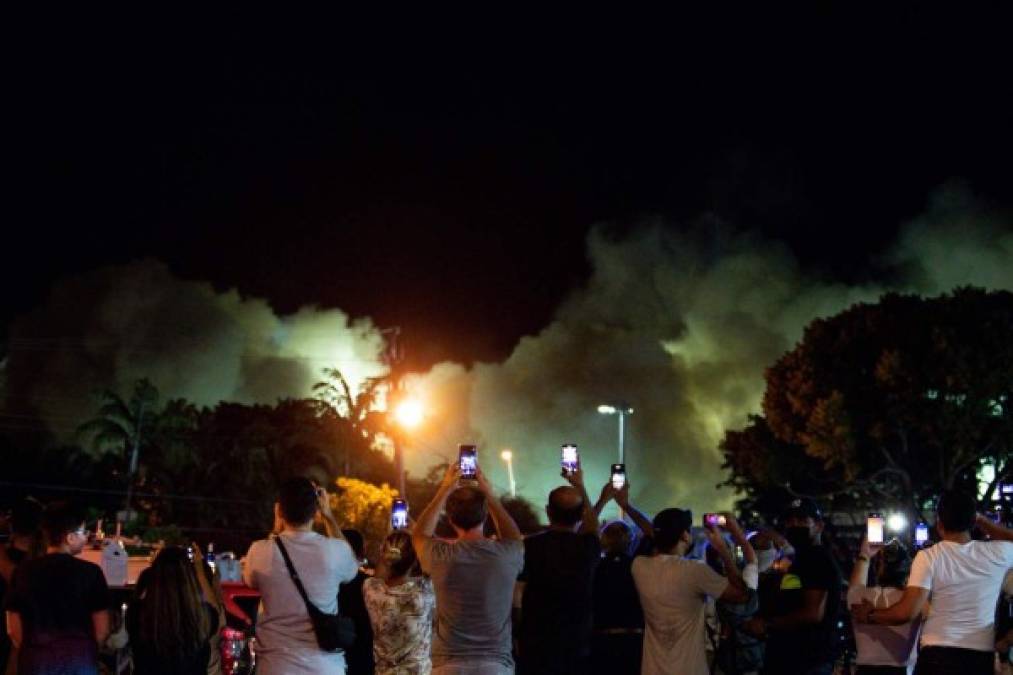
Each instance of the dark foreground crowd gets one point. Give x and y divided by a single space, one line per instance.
575 598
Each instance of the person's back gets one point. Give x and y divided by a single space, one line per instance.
883 649
25 542
673 593
959 580
170 621
473 578
286 641
559 564
965 582
359 657
57 605
618 620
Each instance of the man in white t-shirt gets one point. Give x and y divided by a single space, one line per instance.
962 578
673 593
286 641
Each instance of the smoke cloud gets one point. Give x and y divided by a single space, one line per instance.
679 324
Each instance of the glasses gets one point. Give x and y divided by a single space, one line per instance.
81 532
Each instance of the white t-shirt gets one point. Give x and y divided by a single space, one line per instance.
673 593
884 645
964 581
284 631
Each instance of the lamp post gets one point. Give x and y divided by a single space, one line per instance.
508 457
621 410
408 414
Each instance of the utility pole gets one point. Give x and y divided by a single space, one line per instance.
393 356
132 469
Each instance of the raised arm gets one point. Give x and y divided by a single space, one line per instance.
425 526
737 590
993 529
330 522
641 521
589 519
860 571
505 525
607 493
739 537
205 584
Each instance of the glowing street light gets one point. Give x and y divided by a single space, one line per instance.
896 522
508 457
621 410
409 413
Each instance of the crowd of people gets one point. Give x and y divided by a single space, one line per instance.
639 595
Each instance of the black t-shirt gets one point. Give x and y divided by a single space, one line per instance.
556 607
788 651
148 662
55 596
616 601
359 658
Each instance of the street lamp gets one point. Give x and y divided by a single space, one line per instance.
508 457
621 410
409 414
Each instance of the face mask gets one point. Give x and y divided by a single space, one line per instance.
765 559
798 537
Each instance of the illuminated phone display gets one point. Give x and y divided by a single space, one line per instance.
874 528
570 458
399 514
618 476
468 461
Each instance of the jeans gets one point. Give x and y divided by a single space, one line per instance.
954 661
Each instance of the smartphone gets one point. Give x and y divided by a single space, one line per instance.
467 459
874 528
1006 489
921 534
714 520
399 514
570 458
189 553
618 476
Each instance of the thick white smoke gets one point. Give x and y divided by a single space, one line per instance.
108 328
680 324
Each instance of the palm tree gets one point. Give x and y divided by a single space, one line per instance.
120 423
357 411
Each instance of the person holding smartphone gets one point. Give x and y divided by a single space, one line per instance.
618 643
287 644
883 650
800 626
673 593
559 564
473 576
964 578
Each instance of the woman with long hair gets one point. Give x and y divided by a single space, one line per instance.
401 604
883 650
173 616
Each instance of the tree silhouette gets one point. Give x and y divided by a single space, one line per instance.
889 402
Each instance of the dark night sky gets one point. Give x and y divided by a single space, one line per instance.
446 185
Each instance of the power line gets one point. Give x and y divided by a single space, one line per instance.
119 493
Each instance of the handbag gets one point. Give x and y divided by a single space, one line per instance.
334 632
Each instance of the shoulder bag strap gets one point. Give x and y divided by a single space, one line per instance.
295 575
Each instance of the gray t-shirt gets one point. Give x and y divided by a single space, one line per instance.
474 582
